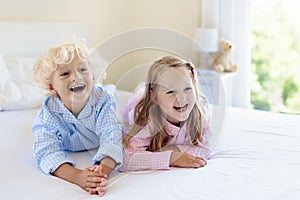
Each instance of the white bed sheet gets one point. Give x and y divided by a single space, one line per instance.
257 157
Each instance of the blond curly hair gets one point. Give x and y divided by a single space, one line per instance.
64 54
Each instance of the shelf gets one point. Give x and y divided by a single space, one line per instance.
217 87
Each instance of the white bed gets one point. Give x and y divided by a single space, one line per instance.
256 157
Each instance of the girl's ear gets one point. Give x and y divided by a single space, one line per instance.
153 96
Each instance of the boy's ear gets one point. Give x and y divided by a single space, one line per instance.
51 87
94 80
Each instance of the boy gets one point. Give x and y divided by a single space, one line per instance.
75 116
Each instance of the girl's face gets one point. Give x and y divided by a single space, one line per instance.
73 83
176 94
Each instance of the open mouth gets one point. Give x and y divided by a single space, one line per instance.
181 108
77 88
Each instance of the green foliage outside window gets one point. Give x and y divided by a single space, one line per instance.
275 56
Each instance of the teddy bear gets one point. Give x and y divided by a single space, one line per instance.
222 62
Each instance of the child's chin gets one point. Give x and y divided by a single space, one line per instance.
177 121
183 117
80 97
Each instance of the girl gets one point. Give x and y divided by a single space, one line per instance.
170 124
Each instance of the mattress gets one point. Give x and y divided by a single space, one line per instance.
257 156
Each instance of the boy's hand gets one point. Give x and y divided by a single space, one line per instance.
101 187
107 164
88 179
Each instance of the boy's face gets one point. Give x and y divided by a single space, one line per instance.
176 94
73 83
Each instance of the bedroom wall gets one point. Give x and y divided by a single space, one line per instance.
109 17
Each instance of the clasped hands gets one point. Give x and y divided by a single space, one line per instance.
96 180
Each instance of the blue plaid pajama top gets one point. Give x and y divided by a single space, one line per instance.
56 130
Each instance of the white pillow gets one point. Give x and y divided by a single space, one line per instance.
9 92
19 91
25 93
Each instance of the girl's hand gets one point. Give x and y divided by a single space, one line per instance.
186 160
170 147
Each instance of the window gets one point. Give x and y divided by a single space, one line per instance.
275 84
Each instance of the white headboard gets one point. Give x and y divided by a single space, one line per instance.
33 38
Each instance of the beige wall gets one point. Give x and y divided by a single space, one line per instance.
109 17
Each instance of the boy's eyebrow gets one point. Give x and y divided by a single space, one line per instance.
58 69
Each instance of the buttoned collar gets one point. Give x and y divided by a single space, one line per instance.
173 130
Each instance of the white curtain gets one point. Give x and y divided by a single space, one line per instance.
232 19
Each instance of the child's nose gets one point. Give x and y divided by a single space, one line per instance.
75 76
180 97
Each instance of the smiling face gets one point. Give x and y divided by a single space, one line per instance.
176 94
73 84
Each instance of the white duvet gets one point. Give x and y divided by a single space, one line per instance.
256 157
